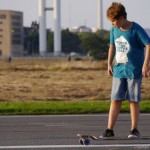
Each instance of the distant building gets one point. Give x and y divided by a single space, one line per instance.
81 29
94 30
11 33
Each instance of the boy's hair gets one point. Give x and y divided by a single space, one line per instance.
115 11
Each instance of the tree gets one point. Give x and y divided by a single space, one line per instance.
31 43
34 38
104 34
70 42
50 41
89 42
95 44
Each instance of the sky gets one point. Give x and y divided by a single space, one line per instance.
79 12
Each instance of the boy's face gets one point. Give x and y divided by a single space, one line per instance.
117 23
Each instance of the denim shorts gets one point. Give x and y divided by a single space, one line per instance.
129 89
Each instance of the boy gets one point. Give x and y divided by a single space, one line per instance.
127 43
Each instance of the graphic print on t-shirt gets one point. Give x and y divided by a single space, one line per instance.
122 48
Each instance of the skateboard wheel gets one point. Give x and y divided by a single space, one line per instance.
83 141
86 142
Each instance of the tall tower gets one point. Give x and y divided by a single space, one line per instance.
100 14
57 27
42 27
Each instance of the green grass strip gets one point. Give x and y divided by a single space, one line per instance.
63 107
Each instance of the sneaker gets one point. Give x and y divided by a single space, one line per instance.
134 134
108 133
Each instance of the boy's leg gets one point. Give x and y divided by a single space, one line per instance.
134 97
117 95
113 113
135 111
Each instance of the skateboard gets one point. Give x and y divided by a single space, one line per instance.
85 139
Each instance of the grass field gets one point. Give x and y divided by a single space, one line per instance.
56 79
63 107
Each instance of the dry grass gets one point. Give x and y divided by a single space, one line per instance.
56 79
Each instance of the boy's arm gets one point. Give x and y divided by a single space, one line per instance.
111 55
145 69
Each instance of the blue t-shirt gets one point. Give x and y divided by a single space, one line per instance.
129 47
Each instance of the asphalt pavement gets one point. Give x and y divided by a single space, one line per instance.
60 132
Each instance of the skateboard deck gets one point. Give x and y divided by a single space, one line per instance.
85 139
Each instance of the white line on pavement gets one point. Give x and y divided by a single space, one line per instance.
76 146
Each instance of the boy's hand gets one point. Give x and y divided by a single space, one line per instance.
145 71
146 67
110 70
